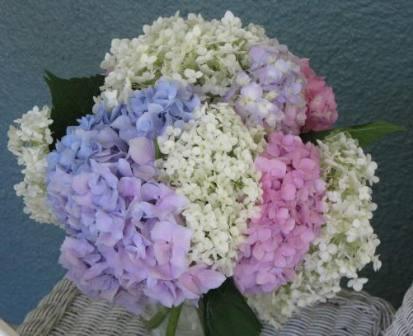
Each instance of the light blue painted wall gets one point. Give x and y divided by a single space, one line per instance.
364 47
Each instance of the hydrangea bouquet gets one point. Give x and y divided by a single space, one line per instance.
202 170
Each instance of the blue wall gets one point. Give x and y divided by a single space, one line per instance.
365 48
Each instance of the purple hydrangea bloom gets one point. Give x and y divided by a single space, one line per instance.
271 92
126 241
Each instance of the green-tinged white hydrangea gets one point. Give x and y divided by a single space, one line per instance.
205 53
29 141
347 242
211 162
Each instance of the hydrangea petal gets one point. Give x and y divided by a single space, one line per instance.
291 215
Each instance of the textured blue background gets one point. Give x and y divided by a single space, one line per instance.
365 48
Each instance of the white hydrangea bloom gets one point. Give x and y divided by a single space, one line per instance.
109 99
212 164
347 242
29 141
205 53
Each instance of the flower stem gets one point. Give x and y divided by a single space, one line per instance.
175 312
157 319
201 311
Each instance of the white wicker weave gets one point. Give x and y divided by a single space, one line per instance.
66 312
403 320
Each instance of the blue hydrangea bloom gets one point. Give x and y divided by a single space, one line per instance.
168 103
104 135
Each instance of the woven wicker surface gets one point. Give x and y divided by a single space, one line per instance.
348 314
403 320
66 312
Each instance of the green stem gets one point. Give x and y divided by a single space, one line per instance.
173 321
157 319
201 314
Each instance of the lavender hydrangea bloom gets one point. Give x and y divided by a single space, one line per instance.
271 92
127 244
125 238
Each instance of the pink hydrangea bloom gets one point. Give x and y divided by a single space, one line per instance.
291 214
321 104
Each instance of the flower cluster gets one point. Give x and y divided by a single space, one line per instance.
191 170
126 244
271 91
149 111
126 241
212 164
346 243
321 104
29 141
205 53
291 215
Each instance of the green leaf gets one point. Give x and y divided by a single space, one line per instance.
320 135
175 312
158 153
157 319
365 133
71 99
226 312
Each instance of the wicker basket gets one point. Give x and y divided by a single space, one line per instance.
403 320
67 312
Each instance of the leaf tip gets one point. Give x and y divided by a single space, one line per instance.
49 76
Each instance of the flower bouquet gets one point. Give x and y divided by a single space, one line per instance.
202 171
